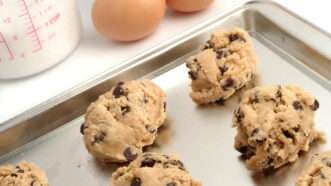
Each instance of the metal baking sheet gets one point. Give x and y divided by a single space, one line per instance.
290 51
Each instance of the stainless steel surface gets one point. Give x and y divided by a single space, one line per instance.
290 51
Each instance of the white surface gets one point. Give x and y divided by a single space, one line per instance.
30 33
96 54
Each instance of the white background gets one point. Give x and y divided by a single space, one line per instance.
96 54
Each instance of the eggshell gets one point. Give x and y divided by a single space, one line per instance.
188 5
127 20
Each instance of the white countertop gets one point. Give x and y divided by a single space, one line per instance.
96 54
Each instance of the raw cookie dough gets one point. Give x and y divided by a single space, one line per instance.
153 169
124 120
226 64
274 124
23 174
318 173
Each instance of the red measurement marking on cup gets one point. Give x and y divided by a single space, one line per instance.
4 42
32 31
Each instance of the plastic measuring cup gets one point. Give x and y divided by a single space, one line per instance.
35 35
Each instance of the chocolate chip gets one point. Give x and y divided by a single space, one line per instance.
220 101
187 64
229 82
145 99
315 173
236 37
297 105
315 105
171 184
136 181
208 45
239 115
247 152
280 120
243 149
165 106
165 165
129 155
223 69
205 47
279 92
125 109
32 182
255 131
20 171
82 128
222 53
247 156
13 175
176 163
296 129
195 60
99 137
147 162
118 90
270 162
257 138
288 134
322 175
193 75
327 161
254 99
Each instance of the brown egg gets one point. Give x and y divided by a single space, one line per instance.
127 20
189 5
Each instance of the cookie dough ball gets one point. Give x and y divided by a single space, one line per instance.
274 125
318 173
153 169
226 63
23 174
124 120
